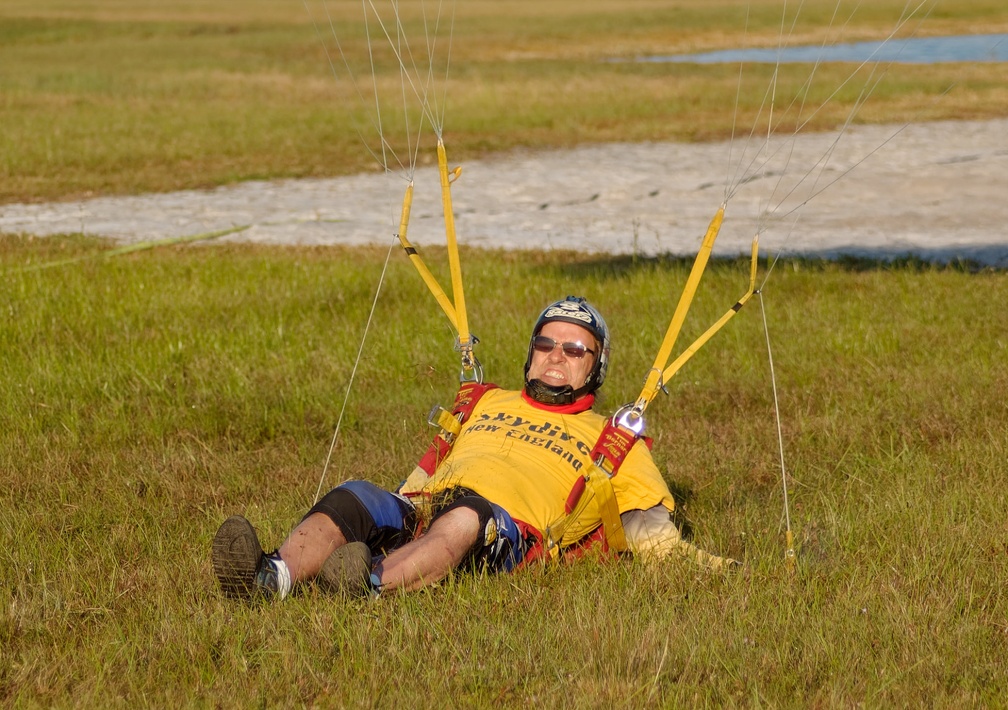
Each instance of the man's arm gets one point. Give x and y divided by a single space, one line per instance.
651 535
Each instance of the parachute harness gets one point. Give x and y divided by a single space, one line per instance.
627 425
418 82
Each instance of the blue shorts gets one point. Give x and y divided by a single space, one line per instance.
366 513
385 521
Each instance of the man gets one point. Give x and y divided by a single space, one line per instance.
491 497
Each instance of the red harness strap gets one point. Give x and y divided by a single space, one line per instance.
536 551
613 446
465 401
609 453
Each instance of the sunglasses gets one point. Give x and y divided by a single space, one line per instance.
543 344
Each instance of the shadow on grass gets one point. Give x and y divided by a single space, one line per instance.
682 494
615 266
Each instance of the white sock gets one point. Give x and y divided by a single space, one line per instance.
283 576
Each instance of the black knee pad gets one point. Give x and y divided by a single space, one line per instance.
368 514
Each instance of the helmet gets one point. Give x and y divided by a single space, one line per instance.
578 311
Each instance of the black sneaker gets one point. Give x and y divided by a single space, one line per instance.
347 571
238 560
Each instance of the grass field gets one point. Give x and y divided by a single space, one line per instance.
143 398
146 398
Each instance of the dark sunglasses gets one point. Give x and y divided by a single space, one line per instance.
543 344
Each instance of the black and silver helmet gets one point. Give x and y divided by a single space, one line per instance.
578 311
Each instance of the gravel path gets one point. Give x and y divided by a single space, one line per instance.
934 190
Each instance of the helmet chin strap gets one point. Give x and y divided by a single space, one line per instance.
547 394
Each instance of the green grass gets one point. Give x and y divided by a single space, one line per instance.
146 397
106 97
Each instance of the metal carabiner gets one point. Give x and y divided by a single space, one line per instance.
472 366
469 362
631 418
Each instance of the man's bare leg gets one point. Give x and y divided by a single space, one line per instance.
432 556
309 545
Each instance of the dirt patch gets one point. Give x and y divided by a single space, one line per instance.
932 190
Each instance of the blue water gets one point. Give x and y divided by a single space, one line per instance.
921 50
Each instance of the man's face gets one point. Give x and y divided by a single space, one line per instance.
556 368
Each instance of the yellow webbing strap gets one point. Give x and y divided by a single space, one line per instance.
598 489
421 267
599 499
462 322
654 379
601 486
686 354
447 421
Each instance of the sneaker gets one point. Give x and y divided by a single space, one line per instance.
238 561
347 571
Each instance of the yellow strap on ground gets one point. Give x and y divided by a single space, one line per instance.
654 379
462 322
686 354
789 553
136 246
421 267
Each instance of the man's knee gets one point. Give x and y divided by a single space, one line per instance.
496 544
366 513
474 505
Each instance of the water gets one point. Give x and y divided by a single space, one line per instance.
918 50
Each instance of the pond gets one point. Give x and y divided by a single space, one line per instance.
917 50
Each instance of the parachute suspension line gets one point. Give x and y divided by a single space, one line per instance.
401 52
789 552
353 374
811 181
440 103
769 102
755 166
802 94
411 150
374 85
418 83
867 90
775 76
451 34
735 112
376 124
409 76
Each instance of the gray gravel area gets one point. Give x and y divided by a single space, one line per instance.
933 190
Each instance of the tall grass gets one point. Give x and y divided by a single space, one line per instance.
144 398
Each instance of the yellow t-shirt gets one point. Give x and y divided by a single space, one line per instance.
526 457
